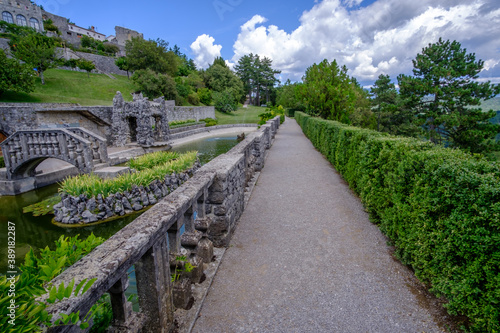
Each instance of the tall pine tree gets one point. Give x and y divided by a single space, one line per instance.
445 92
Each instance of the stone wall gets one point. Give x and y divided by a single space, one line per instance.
98 119
16 118
80 209
208 204
4 44
24 8
189 132
190 112
23 116
102 63
122 35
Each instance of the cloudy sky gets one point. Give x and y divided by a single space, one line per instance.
370 37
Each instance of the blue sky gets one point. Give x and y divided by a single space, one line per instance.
371 37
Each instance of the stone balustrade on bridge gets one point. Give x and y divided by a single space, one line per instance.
25 150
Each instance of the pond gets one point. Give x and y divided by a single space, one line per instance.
38 232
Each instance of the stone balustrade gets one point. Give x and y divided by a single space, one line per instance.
201 212
97 143
24 150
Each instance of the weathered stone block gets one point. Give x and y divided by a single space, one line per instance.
196 274
191 239
216 197
182 293
220 210
205 250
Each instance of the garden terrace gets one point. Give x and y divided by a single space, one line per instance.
206 206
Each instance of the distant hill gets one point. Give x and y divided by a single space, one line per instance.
491 104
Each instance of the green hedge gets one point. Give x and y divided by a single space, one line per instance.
2 162
440 207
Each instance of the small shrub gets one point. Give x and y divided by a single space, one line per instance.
34 281
209 122
193 99
271 113
2 162
205 96
225 101
179 123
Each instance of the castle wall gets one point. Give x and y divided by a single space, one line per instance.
123 34
24 8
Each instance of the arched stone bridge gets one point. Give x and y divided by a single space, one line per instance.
25 150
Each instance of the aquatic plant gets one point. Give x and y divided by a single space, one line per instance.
91 185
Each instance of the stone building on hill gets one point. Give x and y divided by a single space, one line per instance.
71 32
22 12
122 35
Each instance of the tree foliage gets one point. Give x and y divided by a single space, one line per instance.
86 65
150 54
327 91
219 78
445 93
15 76
122 64
258 76
224 101
37 50
154 84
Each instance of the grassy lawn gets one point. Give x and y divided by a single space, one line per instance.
240 116
63 86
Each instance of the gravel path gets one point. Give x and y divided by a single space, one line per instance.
305 258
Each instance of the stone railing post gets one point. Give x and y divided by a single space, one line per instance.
154 289
124 319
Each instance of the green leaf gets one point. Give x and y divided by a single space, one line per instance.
69 289
52 295
88 285
79 286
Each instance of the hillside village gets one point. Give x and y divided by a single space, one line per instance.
26 13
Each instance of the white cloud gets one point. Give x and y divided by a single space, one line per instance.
205 50
381 38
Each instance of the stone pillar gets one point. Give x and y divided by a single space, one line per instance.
154 288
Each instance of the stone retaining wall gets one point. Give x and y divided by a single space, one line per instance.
207 205
190 112
82 209
184 134
186 128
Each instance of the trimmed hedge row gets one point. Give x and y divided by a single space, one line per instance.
440 207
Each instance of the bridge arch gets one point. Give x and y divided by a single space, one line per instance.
28 168
25 150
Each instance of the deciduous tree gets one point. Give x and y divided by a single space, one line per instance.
15 76
37 50
327 91
86 65
148 54
122 64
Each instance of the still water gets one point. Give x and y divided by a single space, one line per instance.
38 232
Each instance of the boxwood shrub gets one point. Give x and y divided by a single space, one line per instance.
440 208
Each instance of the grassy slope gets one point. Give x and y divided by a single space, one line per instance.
240 116
63 86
